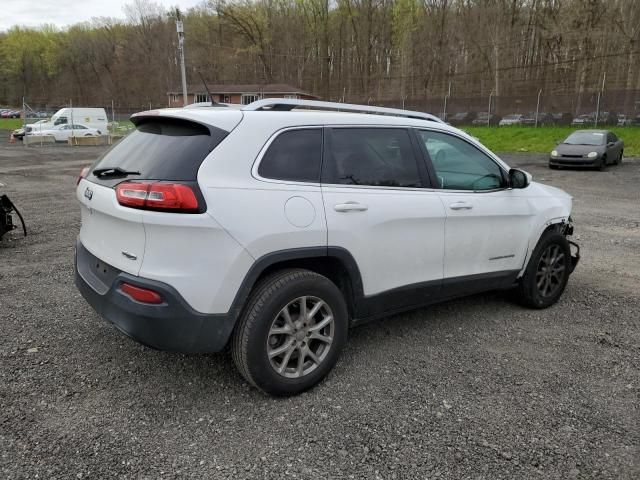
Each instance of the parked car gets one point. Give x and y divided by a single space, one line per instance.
273 230
483 119
585 119
624 120
562 118
8 113
34 127
462 118
607 118
512 119
543 118
61 133
588 148
90 117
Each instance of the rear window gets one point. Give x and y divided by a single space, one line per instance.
160 149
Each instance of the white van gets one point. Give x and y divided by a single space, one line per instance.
89 117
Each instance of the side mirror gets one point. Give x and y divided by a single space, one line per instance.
519 178
610 144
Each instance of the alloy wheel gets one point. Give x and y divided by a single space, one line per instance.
300 337
551 270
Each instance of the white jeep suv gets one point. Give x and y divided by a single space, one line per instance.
275 227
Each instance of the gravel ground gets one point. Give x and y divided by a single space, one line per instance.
475 388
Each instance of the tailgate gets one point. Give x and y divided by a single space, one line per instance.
112 233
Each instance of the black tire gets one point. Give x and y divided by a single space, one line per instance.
249 344
619 160
553 167
529 292
603 163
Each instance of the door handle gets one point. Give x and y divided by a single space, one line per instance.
460 206
350 207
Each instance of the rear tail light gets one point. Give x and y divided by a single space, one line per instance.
173 197
143 295
83 174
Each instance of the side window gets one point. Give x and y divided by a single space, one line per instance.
459 165
379 157
611 138
294 155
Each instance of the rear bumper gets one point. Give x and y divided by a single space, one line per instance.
171 325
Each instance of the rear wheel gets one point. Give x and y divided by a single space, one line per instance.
547 273
291 332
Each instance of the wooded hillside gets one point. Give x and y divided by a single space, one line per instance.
352 50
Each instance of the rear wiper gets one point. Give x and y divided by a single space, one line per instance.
113 172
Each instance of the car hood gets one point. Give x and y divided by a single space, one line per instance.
536 189
566 149
551 191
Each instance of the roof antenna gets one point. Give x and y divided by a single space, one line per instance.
213 102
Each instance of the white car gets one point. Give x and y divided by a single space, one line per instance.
276 227
62 132
513 119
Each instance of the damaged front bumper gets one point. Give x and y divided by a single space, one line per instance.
6 220
575 255
567 231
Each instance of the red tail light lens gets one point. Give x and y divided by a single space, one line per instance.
140 294
174 197
83 173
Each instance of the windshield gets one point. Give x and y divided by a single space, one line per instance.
585 138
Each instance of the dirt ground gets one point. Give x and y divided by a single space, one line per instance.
474 388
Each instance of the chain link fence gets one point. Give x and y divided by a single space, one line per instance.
606 108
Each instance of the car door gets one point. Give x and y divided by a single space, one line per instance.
487 224
614 147
380 207
61 133
78 130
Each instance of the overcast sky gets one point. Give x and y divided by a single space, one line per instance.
67 12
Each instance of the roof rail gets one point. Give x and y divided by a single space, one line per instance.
286 104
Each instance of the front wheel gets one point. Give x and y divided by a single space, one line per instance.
291 332
603 163
547 272
619 160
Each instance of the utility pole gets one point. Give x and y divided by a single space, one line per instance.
538 107
180 30
604 78
444 110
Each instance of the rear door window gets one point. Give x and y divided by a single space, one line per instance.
378 157
160 149
294 155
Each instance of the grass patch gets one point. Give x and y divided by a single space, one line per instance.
543 139
10 123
